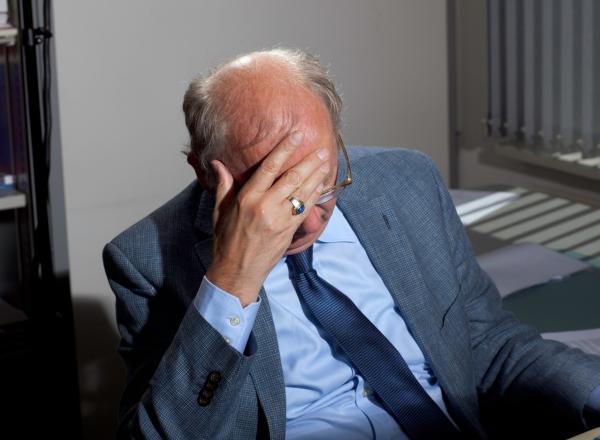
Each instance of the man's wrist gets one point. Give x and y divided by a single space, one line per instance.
225 313
243 287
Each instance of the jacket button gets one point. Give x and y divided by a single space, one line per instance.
206 394
211 386
202 401
214 376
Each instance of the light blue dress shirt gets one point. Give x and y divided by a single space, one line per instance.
325 396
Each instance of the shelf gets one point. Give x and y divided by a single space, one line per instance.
11 199
572 163
8 35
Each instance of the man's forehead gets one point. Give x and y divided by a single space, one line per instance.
253 130
259 132
250 157
245 162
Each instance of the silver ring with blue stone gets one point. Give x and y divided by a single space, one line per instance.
297 205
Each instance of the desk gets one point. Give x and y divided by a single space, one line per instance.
569 304
563 225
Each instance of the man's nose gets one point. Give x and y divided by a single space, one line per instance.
311 222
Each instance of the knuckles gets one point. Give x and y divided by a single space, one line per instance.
261 210
270 165
292 178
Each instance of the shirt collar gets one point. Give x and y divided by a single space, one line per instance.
337 230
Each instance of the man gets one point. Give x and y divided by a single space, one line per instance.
273 298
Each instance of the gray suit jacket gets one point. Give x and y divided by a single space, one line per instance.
489 366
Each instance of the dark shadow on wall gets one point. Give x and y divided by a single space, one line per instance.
101 373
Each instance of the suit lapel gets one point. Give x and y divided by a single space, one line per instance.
391 252
389 249
266 372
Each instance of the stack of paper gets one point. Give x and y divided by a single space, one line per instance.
518 266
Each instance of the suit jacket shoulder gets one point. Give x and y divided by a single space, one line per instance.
155 244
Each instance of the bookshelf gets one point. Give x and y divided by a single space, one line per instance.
37 346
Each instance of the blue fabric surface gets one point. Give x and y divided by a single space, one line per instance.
592 409
593 403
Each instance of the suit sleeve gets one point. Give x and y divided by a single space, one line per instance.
181 384
516 370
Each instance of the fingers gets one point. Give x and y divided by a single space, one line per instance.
311 188
224 185
315 165
270 167
308 192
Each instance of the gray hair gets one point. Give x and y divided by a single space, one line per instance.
206 119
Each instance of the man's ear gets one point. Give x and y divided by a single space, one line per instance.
200 173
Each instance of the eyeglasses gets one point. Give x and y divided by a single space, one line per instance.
333 191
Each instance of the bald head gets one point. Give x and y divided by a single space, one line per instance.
258 95
254 97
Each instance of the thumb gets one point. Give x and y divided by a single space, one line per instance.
224 187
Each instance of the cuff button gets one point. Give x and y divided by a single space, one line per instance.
210 386
206 394
202 401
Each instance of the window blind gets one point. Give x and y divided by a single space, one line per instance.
544 74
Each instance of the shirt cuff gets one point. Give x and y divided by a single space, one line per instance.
591 410
224 312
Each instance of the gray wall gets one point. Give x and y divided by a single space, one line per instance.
122 68
477 166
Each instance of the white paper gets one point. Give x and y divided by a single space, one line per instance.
518 266
586 340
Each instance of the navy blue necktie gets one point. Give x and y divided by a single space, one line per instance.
380 364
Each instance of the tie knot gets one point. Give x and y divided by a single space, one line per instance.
300 262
